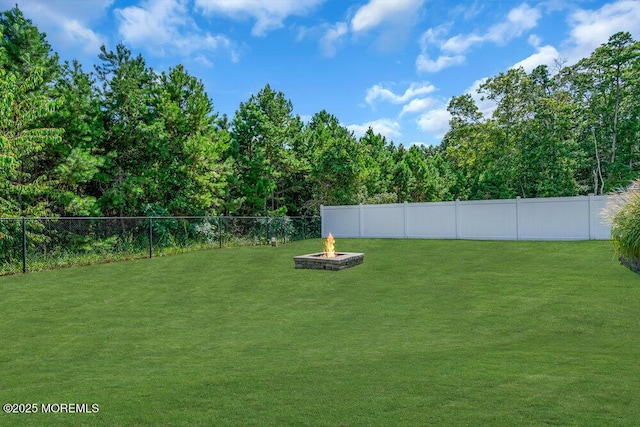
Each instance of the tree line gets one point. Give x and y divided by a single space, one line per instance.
124 140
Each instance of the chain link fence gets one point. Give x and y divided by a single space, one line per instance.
32 244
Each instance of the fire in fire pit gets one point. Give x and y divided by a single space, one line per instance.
329 259
329 247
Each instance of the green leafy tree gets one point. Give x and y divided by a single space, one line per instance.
547 156
605 87
509 91
23 190
433 176
477 148
526 148
27 67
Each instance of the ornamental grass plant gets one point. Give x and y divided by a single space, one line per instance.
623 212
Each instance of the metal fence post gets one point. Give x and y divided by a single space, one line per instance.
220 230
24 244
268 229
150 237
304 228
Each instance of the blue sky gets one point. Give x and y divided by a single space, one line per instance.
387 64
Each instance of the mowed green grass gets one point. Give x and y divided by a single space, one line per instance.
424 332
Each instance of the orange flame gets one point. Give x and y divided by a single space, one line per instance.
329 248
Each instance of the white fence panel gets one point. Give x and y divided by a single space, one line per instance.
487 219
554 218
383 221
600 230
558 218
431 220
340 221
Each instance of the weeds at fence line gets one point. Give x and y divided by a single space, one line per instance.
33 244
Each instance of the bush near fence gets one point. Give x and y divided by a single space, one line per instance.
31 244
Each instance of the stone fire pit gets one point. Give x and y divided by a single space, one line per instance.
329 259
320 261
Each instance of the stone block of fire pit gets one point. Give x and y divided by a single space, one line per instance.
320 261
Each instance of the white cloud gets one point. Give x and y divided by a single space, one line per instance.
417 105
591 28
161 25
451 51
269 14
397 17
461 43
392 21
82 36
468 10
415 89
155 21
424 63
545 55
332 37
388 128
436 122
518 20
534 40
202 59
83 11
377 12
433 36
428 65
66 23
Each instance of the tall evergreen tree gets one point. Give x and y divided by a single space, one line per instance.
263 134
377 169
26 49
187 164
336 162
77 160
128 87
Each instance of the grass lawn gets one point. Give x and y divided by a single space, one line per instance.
424 332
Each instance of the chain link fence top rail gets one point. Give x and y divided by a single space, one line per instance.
32 244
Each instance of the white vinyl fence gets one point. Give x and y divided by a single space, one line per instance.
557 218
